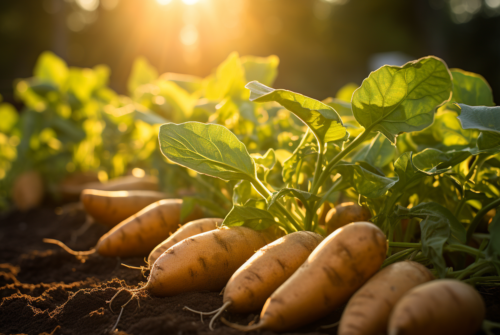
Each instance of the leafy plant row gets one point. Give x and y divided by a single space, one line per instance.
424 151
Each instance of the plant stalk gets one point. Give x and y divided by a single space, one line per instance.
265 193
326 172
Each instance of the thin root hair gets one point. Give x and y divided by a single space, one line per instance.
68 249
242 328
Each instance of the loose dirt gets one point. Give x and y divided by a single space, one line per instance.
44 290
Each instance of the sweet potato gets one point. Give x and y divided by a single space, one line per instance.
251 285
205 261
112 207
345 213
440 307
28 190
189 229
140 233
340 265
125 183
368 311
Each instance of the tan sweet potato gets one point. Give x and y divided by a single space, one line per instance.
345 213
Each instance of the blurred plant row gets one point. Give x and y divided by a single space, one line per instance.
74 127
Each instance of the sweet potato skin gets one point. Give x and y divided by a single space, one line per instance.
124 183
345 213
341 264
140 233
112 207
28 190
251 285
368 311
442 306
189 229
205 261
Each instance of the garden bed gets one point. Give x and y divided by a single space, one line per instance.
44 290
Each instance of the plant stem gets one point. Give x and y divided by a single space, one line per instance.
265 193
476 280
477 219
319 166
397 256
405 245
464 248
326 172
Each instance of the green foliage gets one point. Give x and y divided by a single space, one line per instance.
395 99
206 148
322 119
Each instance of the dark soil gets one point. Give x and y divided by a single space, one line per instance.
44 290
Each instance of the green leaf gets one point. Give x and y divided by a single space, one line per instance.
480 118
262 69
248 216
142 73
304 197
471 89
244 191
488 140
380 152
52 69
366 183
228 79
433 161
438 226
322 119
267 161
208 149
393 99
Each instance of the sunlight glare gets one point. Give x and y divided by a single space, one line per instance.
190 2
89 5
189 35
163 2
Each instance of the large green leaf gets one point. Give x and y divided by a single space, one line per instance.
322 119
366 183
471 89
207 148
394 99
480 118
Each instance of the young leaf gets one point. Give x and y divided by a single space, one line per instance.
248 216
471 89
267 161
244 191
262 69
397 99
480 118
322 119
303 196
366 183
208 149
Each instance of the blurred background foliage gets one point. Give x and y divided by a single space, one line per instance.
62 113
322 44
